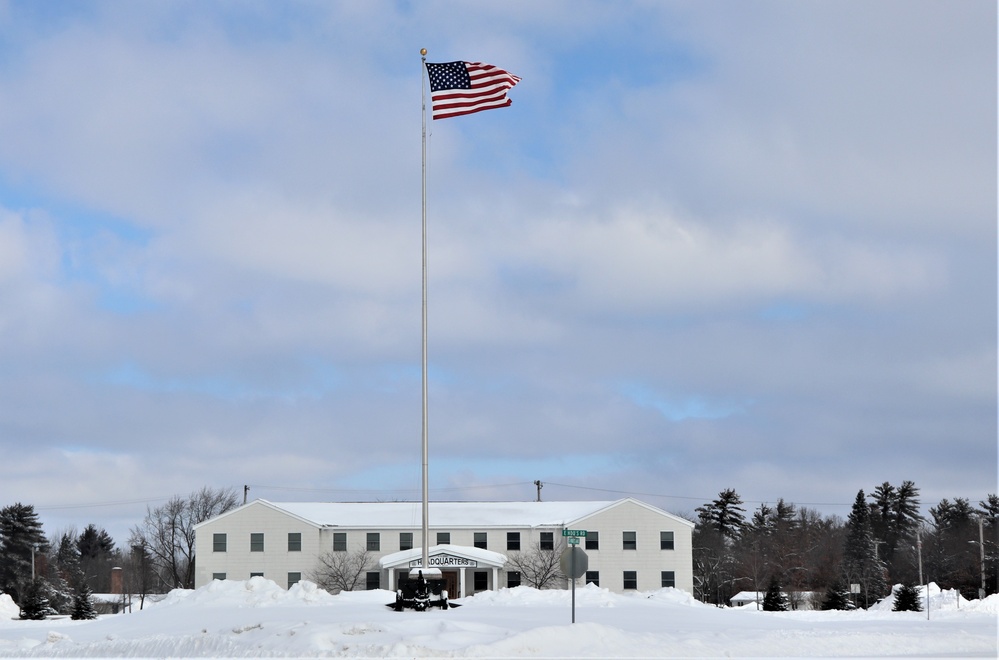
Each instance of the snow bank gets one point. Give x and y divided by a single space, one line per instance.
260 619
941 600
255 592
523 596
8 608
588 596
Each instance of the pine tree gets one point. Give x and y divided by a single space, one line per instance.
96 553
947 555
894 515
83 603
860 559
989 507
774 600
907 517
725 514
949 515
837 598
21 535
67 572
34 603
989 511
721 525
67 558
762 518
59 594
907 599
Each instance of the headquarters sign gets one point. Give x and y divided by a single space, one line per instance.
445 561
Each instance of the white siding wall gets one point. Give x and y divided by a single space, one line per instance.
610 560
238 562
647 560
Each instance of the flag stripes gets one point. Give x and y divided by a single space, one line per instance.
462 88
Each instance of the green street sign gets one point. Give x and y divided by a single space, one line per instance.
573 540
573 532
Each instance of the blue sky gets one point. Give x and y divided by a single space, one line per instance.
709 246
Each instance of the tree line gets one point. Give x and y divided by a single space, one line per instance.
884 541
59 575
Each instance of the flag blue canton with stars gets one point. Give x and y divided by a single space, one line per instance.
461 88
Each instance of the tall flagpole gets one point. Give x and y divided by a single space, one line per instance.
426 504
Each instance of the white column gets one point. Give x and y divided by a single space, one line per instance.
496 585
461 582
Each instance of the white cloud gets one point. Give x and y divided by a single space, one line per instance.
782 205
648 259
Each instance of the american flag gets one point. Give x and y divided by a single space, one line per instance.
461 88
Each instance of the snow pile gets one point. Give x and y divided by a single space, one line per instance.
255 592
588 596
523 596
8 608
258 618
676 597
941 600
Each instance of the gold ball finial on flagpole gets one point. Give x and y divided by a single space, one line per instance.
423 51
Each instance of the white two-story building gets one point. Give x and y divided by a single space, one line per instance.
629 544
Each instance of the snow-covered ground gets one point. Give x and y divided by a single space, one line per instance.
258 618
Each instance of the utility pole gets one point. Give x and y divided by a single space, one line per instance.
981 555
246 489
540 486
919 549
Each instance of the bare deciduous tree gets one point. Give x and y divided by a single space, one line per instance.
538 568
167 533
338 570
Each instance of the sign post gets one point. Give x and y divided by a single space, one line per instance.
574 561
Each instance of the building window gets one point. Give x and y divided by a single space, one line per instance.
479 540
592 540
480 580
405 540
631 579
293 579
373 580
340 541
665 540
593 577
443 538
513 540
630 543
257 542
669 579
218 542
513 579
218 576
547 540
374 541
253 575
294 541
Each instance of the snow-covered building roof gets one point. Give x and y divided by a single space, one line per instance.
744 597
406 515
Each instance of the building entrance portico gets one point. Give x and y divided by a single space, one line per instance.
458 565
